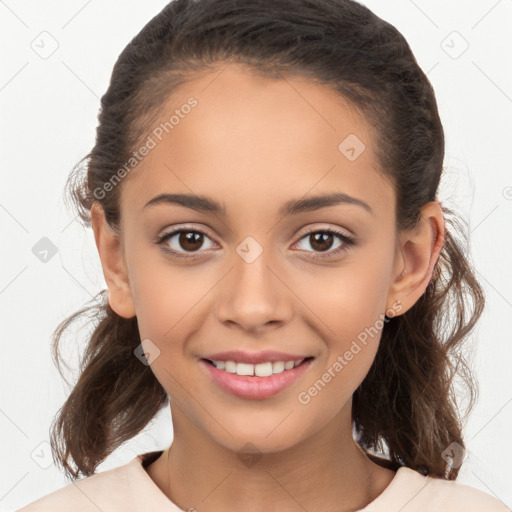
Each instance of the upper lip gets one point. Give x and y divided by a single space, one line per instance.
239 356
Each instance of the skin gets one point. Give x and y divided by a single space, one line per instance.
252 144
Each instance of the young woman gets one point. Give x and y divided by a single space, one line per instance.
263 195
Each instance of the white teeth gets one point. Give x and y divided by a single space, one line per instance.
230 366
245 369
263 369
278 367
260 370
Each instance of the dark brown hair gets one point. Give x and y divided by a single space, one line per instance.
406 405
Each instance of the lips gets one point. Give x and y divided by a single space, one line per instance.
254 387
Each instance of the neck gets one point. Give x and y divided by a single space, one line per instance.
327 471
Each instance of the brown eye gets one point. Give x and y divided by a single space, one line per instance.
322 240
190 240
182 241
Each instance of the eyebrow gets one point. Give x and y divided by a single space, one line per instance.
292 207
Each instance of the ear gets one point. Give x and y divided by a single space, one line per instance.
111 253
417 253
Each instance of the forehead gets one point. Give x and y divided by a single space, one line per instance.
255 139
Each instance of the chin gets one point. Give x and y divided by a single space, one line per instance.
260 438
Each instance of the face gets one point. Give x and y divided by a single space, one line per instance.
313 282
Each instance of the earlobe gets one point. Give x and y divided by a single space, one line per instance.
417 253
113 263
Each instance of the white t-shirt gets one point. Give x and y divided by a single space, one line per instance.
129 488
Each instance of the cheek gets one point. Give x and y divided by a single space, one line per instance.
351 342
349 299
165 294
350 305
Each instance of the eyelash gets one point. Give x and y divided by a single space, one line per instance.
347 241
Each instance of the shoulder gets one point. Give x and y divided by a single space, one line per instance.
120 488
457 496
414 493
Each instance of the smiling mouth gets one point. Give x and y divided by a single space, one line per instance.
256 381
265 369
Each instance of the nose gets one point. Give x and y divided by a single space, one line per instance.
254 296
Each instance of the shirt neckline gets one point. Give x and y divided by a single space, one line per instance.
144 459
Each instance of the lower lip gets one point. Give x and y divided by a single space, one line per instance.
255 388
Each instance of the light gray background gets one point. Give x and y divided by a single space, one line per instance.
49 108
